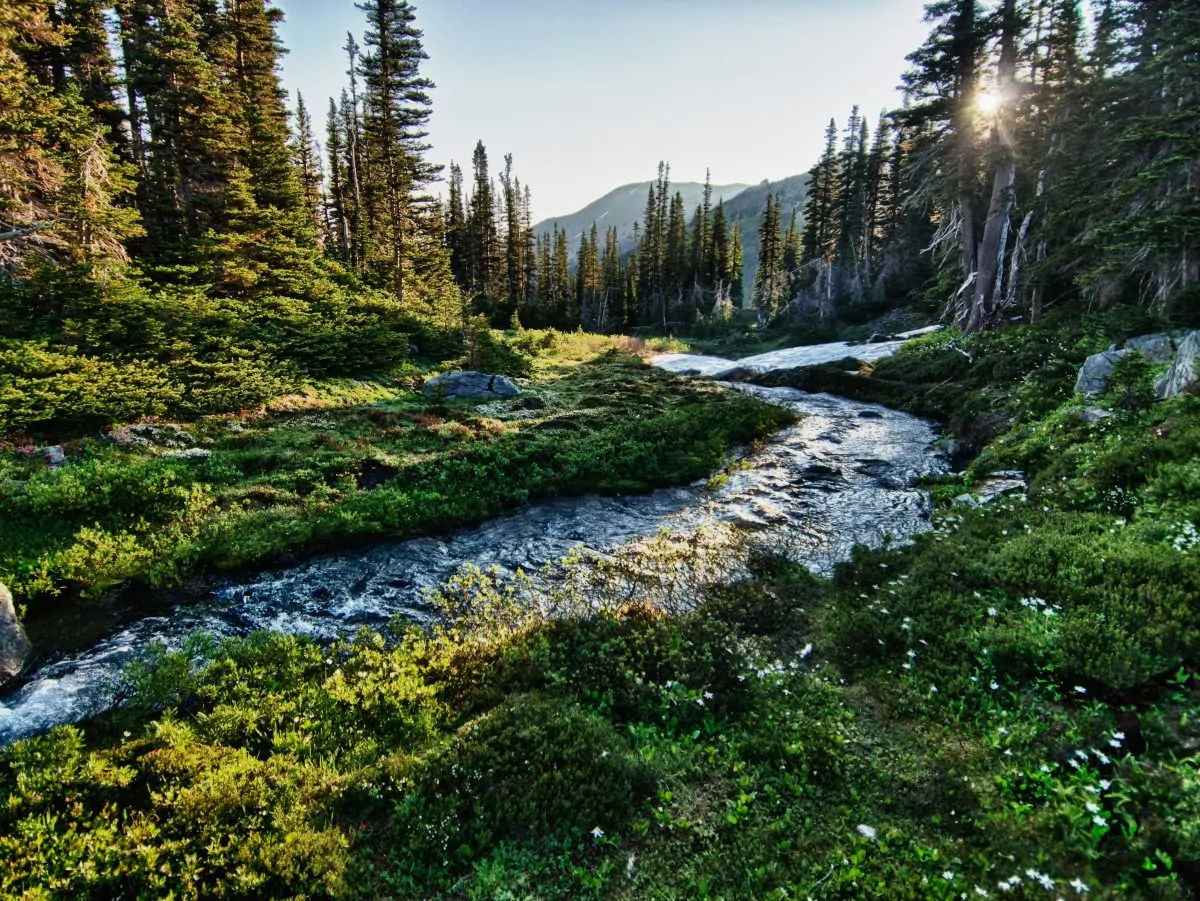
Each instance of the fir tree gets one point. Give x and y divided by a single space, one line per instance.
396 105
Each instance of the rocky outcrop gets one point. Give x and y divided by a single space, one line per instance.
469 383
1098 368
993 487
1156 348
143 435
1184 374
14 644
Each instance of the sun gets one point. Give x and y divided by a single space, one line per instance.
988 103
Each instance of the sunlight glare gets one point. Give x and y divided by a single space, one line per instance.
988 103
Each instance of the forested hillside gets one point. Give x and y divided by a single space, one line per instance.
359 538
623 207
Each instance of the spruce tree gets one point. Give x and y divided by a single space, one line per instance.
484 275
306 157
770 280
396 109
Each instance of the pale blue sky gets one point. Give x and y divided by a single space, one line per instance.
590 95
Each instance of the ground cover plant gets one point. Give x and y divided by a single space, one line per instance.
1005 707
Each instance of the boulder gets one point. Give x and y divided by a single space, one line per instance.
1093 414
1157 348
469 383
53 455
1097 370
737 374
14 644
1184 374
191 453
143 435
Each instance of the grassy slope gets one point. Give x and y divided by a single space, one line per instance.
1008 702
594 419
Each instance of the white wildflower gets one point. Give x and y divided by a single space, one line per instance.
867 832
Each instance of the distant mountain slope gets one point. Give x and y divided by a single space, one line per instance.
748 206
625 205
745 203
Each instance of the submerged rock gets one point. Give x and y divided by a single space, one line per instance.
1184 374
737 374
469 383
14 643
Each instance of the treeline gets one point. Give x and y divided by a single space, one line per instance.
679 270
1032 162
168 239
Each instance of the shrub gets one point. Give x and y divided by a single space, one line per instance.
532 768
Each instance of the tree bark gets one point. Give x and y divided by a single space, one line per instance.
1004 176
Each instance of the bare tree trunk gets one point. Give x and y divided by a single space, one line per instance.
1020 252
989 259
992 247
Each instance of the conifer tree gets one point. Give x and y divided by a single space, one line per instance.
819 238
770 281
396 107
736 262
484 275
306 157
456 229
338 213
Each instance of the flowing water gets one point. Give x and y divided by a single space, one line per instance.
845 474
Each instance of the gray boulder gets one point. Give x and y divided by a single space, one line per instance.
1097 370
1156 348
53 455
145 435
469 383
1093 414
1184 374
14 643
737 374
191 453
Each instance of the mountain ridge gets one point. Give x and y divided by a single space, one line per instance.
744 204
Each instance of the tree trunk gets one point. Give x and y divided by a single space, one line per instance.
989 259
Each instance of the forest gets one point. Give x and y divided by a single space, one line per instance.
227 320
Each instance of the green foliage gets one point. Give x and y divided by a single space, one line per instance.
129 351
530 768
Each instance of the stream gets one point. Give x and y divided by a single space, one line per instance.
845 474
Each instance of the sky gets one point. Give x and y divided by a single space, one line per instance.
588 95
